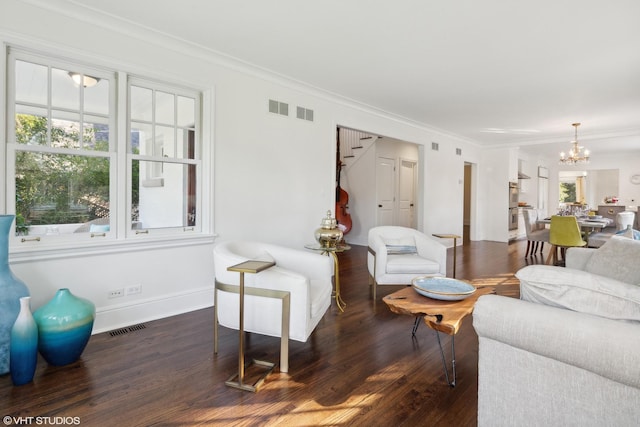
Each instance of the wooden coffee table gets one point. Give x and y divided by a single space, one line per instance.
441 316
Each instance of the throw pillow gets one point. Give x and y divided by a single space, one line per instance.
401 246
629 233
618 259
580 291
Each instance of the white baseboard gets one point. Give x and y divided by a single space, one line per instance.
123 315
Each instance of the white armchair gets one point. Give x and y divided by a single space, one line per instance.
306 276
398 254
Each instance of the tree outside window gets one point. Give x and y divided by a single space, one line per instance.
55 189
567 192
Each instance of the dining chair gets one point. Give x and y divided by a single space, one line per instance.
624 219
535 235
564 232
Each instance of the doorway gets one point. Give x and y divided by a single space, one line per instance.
381 175
467 191
396 191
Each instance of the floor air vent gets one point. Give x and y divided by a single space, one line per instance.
123 331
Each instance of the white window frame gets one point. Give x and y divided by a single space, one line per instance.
153 180
122 237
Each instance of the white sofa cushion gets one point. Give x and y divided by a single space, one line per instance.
411 263
580 291
618 259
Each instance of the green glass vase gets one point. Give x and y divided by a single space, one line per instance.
64 327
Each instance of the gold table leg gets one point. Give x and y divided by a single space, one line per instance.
455 237
237 380
455 247
339 302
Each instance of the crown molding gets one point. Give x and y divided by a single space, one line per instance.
129 28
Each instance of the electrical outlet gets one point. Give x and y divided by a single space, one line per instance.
116 293
133 289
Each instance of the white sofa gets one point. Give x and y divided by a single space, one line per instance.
568 352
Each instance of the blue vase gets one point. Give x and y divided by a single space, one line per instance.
24 345
11 290
64 327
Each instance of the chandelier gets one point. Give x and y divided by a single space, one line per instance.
577 154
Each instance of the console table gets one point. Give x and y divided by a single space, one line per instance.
455 237
332 251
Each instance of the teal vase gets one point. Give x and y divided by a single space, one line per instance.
24 345
64 327
11 290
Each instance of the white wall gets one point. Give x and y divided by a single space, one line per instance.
273 177
496 170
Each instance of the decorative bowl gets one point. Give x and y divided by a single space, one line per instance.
442 288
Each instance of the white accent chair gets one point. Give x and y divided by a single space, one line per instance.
397 255
305 276
625 219
536 233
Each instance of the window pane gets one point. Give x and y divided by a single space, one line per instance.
65 129
141 104
141 139
163 201
96 133
186 112
31 128
96 98
164 144
31 83
65 93
186 144
165 108
57 194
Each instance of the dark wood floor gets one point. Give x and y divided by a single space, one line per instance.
360 367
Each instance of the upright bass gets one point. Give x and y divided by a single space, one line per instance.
342 197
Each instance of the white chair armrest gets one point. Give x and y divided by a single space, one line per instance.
380 248
310 264
586 341
433 250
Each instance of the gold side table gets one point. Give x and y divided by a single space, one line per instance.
455 237
332 252
237 380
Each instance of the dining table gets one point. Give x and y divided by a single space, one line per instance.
588 224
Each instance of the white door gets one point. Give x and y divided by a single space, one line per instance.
385 190
406 193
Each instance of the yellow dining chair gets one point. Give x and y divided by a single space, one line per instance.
564 233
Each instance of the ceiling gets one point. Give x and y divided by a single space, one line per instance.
497 72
